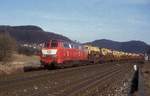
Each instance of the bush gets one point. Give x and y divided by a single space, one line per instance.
27 51
7 47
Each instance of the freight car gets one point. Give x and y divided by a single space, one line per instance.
94 53
58 53
99 55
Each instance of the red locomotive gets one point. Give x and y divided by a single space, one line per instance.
61 53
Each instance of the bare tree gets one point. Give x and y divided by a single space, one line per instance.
7 47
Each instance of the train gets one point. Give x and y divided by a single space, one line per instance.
59 53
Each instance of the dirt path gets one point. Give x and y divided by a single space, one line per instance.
92 80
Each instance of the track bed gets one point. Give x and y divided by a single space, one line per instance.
91 80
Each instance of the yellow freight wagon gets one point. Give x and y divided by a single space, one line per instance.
107 54
93 53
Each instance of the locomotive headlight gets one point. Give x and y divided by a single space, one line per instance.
49 51
52 51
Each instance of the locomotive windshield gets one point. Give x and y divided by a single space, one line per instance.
52 44
47 44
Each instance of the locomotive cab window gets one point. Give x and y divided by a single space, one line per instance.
66 45
54 43
72 46
47 44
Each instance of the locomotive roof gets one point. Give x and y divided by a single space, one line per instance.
71 42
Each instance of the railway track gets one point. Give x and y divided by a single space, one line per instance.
63 82
37 74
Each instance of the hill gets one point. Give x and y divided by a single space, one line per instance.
30 34
130 46
34 34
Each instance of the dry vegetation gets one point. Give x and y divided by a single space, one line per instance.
17 63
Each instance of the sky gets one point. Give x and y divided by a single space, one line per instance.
82 20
